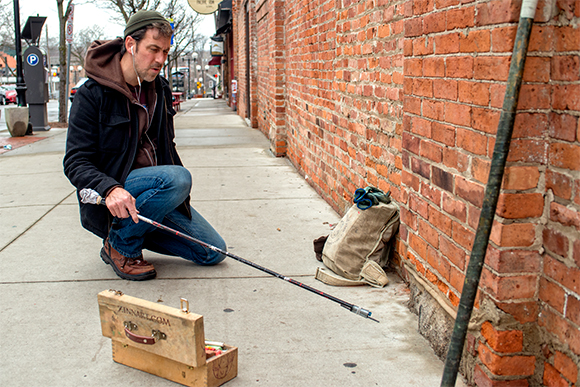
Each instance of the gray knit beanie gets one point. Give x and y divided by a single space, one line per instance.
142 19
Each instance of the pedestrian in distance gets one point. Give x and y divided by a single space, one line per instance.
120 143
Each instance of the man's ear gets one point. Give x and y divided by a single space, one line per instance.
130 44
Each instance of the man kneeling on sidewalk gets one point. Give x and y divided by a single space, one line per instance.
120 144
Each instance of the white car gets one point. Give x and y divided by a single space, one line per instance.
76 87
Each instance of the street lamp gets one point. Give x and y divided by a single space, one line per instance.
77 73
194 56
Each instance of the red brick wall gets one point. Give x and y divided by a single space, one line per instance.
344 95
457 58
270 89
552 91
406 96
244 11
310 49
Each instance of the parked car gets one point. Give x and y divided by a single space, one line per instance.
7 94
73 91
10 94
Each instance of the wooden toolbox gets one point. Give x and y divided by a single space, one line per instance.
163 341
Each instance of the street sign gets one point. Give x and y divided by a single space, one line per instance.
69 25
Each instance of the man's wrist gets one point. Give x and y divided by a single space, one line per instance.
111 190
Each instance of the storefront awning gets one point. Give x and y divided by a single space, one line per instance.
224 17
215 61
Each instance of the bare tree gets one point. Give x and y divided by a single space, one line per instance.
185 20
185 24
123 9
6 25
82 41
63 13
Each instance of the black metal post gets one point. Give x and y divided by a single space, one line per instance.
492 190
20 85
188 77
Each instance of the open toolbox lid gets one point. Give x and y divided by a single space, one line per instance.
172 333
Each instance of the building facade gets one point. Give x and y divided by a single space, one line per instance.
406 96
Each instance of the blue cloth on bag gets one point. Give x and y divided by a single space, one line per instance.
367 197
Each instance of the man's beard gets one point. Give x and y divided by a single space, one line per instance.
149 75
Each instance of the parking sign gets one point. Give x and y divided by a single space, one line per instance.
32 59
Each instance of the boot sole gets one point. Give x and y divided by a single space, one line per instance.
136 277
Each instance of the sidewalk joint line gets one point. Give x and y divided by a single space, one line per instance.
18 173
35 205
38 220
157 278
252 199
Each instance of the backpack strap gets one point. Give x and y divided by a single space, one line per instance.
371 274
329 278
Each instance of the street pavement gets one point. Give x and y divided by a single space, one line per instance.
267 213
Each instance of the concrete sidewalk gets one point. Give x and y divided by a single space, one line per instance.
51 274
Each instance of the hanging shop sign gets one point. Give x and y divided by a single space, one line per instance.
217 48
204 7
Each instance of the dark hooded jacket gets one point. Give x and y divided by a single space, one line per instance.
103 133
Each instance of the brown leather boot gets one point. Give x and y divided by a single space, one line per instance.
134 269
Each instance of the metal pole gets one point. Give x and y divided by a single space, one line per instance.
188 77
353 308
20 85
492 190
66 97
50 87
90 196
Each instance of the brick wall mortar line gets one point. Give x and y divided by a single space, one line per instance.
449 240
507 221
560 315
510 301
565 290
439 276
569 231
518 274
459 149
575 113
507 354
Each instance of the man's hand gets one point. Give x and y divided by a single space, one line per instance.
121 204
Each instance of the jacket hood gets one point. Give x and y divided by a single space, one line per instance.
103 64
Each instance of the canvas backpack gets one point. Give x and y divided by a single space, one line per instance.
358 247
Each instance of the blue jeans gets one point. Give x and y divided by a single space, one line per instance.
158 191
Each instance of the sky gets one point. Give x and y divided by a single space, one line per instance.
86 15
